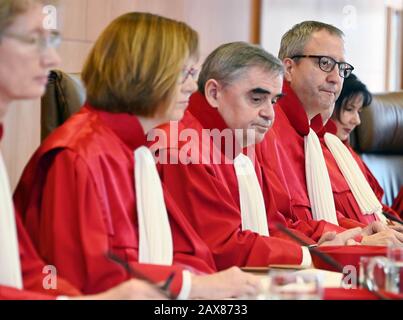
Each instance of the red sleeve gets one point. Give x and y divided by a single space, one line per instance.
73 232
398 203
349 223
33 268
212 210
8 293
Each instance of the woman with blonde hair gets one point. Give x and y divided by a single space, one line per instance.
91 192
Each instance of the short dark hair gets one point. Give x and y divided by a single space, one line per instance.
351 88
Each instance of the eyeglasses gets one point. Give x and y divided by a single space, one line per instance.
327 64
193 72
41 41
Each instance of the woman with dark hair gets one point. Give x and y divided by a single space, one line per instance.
353 98
354 186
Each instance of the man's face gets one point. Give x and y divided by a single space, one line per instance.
316 89
247 103
349 116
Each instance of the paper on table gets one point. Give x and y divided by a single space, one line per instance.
331 279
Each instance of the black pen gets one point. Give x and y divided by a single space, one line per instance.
392 217
326 258
164 289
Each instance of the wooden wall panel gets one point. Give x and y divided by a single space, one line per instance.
21 136
98 16
73 54
218 22
173 9
72 15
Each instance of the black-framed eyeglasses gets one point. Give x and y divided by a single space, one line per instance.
327 64
41 41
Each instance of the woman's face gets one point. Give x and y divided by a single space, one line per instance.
24 66
184 89
349 116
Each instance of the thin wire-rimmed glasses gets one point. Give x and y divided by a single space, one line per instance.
327 64
41 41
193 72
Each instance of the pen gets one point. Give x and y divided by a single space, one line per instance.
326 258
164 289
392 217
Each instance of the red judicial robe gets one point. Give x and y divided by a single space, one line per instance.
78 202
398 203
207 191
290 128
275 191
32 271
343 197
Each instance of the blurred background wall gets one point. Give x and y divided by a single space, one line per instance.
373 40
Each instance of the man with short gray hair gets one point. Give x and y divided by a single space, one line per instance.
222 195
313 56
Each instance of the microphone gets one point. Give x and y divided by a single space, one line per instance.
392 217
326 258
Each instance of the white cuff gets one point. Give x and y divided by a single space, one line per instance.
62 298
306 258
186 285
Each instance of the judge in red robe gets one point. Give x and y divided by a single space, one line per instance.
23 274
290 128
276 190
21 269
87 161
201 153
343 196
90 192
312 83
345 118
32 270
212 200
